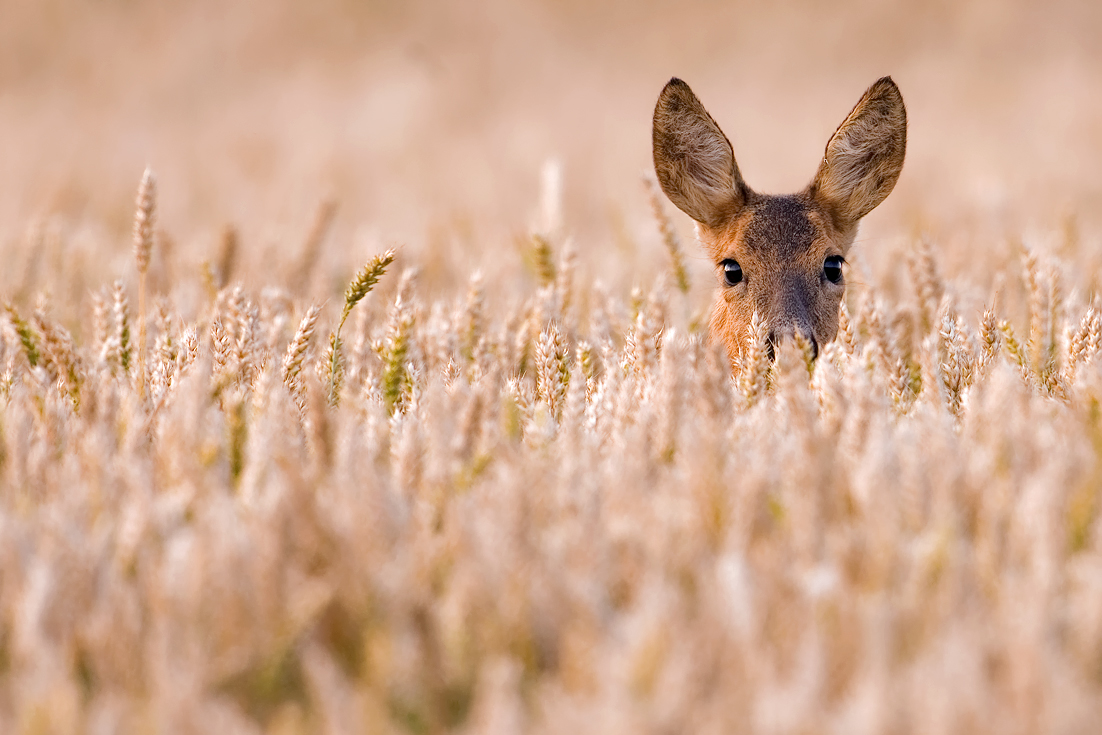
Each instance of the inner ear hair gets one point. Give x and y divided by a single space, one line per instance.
864 157
693 159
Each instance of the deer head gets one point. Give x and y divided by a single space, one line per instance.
782 256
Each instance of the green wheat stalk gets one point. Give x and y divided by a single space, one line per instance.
360 287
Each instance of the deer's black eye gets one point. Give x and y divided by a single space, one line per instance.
832 268
732 272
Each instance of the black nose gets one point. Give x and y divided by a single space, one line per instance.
773 340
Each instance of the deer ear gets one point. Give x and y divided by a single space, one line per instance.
693 159
865 155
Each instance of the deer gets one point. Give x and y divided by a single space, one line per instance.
780 257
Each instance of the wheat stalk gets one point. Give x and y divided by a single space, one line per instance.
360 286
144 222
669 237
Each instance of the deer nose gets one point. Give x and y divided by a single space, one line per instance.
775 338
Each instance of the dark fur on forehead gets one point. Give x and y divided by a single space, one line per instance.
779 224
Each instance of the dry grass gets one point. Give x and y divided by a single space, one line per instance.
503 484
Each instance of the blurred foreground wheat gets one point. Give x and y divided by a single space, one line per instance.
562 516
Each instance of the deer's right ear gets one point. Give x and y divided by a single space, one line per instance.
693 159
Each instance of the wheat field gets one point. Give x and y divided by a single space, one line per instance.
411 424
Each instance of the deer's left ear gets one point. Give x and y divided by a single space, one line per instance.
864 156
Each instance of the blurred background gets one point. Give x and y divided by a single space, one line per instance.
428 123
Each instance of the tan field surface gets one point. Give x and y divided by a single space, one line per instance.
355 376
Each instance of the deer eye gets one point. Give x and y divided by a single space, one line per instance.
732 272
832 268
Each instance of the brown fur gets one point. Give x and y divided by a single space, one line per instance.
781 242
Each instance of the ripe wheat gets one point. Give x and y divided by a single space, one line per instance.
561 515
